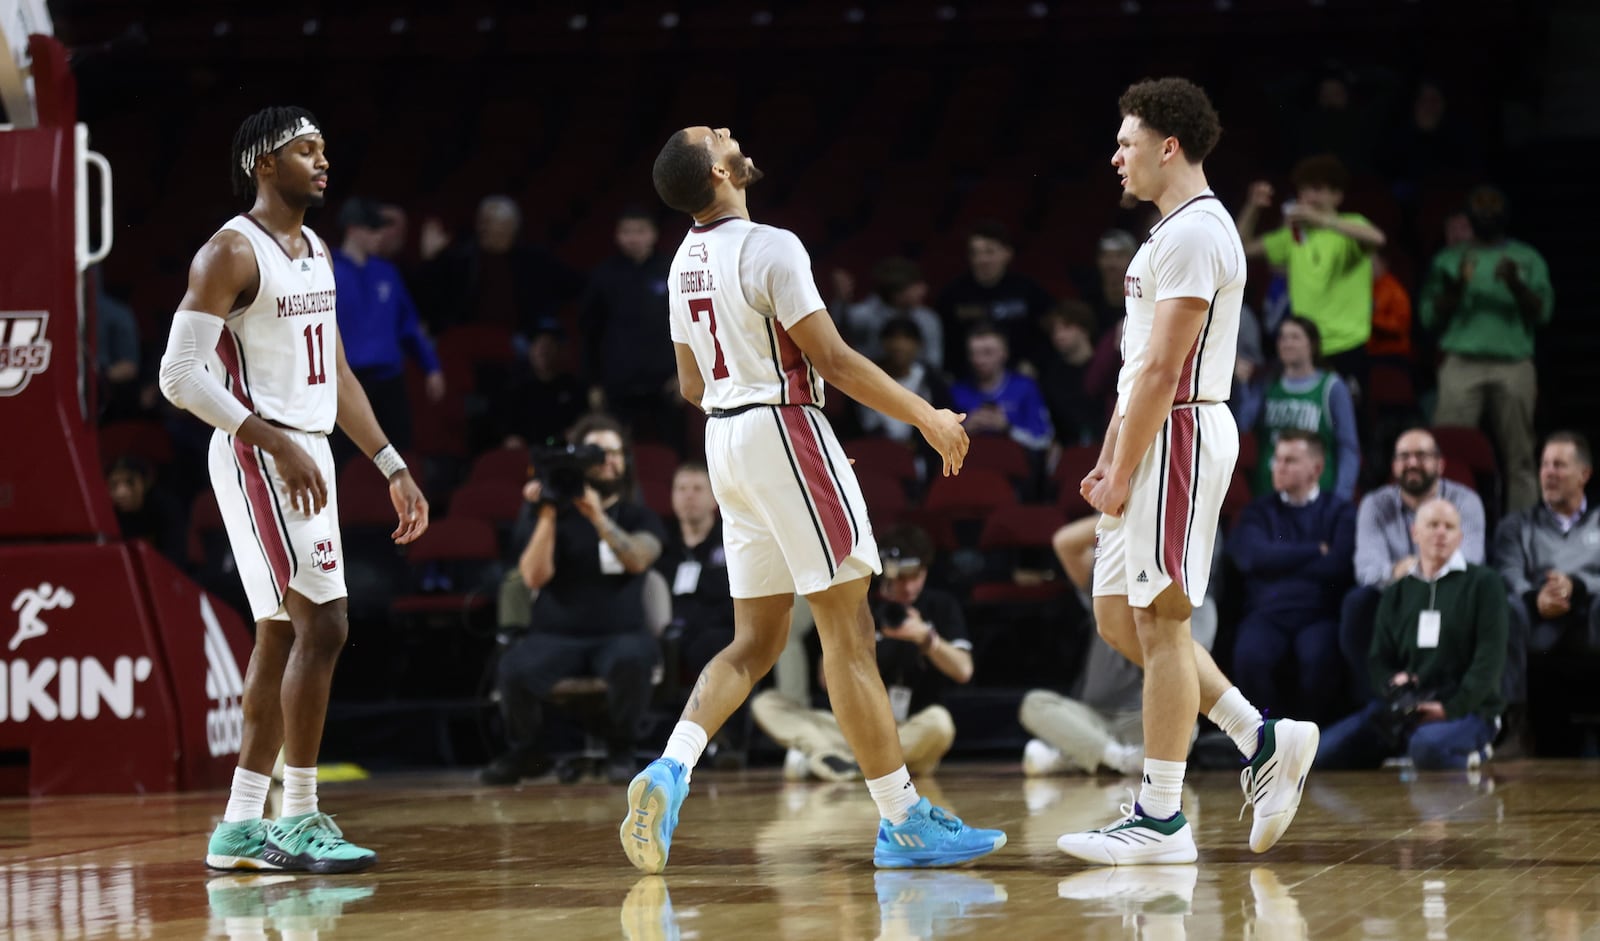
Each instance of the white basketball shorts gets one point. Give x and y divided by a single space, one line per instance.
1168 529
793 519
276 546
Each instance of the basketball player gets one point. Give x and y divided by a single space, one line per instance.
1164 467
255 351
754 346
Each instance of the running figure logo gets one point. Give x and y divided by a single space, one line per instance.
29 602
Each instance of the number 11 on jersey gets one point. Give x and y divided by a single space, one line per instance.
719 369
317 361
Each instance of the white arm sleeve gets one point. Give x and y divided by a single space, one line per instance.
185 380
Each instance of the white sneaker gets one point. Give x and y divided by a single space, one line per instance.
1040 758
1277 914
1130 760
1276 777
1145 890
795 765
1135 839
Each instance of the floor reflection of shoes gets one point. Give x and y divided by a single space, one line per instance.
237 899
647 912
312 905
926 903
1134 890
1277 914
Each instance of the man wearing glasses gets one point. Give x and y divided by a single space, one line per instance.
1385 551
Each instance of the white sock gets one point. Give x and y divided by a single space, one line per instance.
248 796
1161 795
299 791
895 795
1239 720
687 742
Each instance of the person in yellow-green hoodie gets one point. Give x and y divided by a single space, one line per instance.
1484 299
1325 254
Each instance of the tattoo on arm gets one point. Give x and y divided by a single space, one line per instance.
636 550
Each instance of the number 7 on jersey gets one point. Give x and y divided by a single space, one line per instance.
719 369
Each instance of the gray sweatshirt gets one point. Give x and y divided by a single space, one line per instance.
1383 530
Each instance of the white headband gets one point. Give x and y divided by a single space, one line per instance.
267 145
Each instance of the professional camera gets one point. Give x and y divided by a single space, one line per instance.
893 614
1399 716
562 469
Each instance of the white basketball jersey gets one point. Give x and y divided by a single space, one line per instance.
734 289
279 354
1194 251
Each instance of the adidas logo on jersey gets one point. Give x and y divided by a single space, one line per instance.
1143 579
305 265
224 688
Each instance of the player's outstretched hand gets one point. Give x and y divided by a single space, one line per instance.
410 505
302 482
947 436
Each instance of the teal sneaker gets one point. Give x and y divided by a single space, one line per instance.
1276 777
932 837
240 845
1135 839
314 843
654 797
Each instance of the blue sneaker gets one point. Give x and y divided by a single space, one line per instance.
932 837
654 797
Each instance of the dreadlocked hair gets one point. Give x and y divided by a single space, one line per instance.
268 122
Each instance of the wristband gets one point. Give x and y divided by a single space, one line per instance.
389 461
929 641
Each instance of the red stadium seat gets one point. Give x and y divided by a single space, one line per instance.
881 456
1074 465
1000 454
506 466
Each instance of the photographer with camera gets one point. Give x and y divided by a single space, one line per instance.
1439 649
587 558
922 649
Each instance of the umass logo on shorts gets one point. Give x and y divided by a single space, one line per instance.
323 556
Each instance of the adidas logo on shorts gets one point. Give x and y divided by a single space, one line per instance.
1143 579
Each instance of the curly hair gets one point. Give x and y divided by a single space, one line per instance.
682 174
1175 107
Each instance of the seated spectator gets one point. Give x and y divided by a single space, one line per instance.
901 343
587 558
922 649
145 511
1249 370
1062 368
117 353
1294 548
991 292
898 292
1485 300
695 564
543 400
1326 254
1304 396
1385 552
1549 557
1100 380
1437 653
1100 723
996 400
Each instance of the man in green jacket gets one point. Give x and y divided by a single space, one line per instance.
1439 648
1484 299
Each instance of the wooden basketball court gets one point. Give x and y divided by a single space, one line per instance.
1509 854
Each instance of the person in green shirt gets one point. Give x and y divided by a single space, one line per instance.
1325 254
1484 299
1441 635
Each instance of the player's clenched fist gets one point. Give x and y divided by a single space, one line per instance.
945 434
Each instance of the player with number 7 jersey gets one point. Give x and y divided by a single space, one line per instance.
754 343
